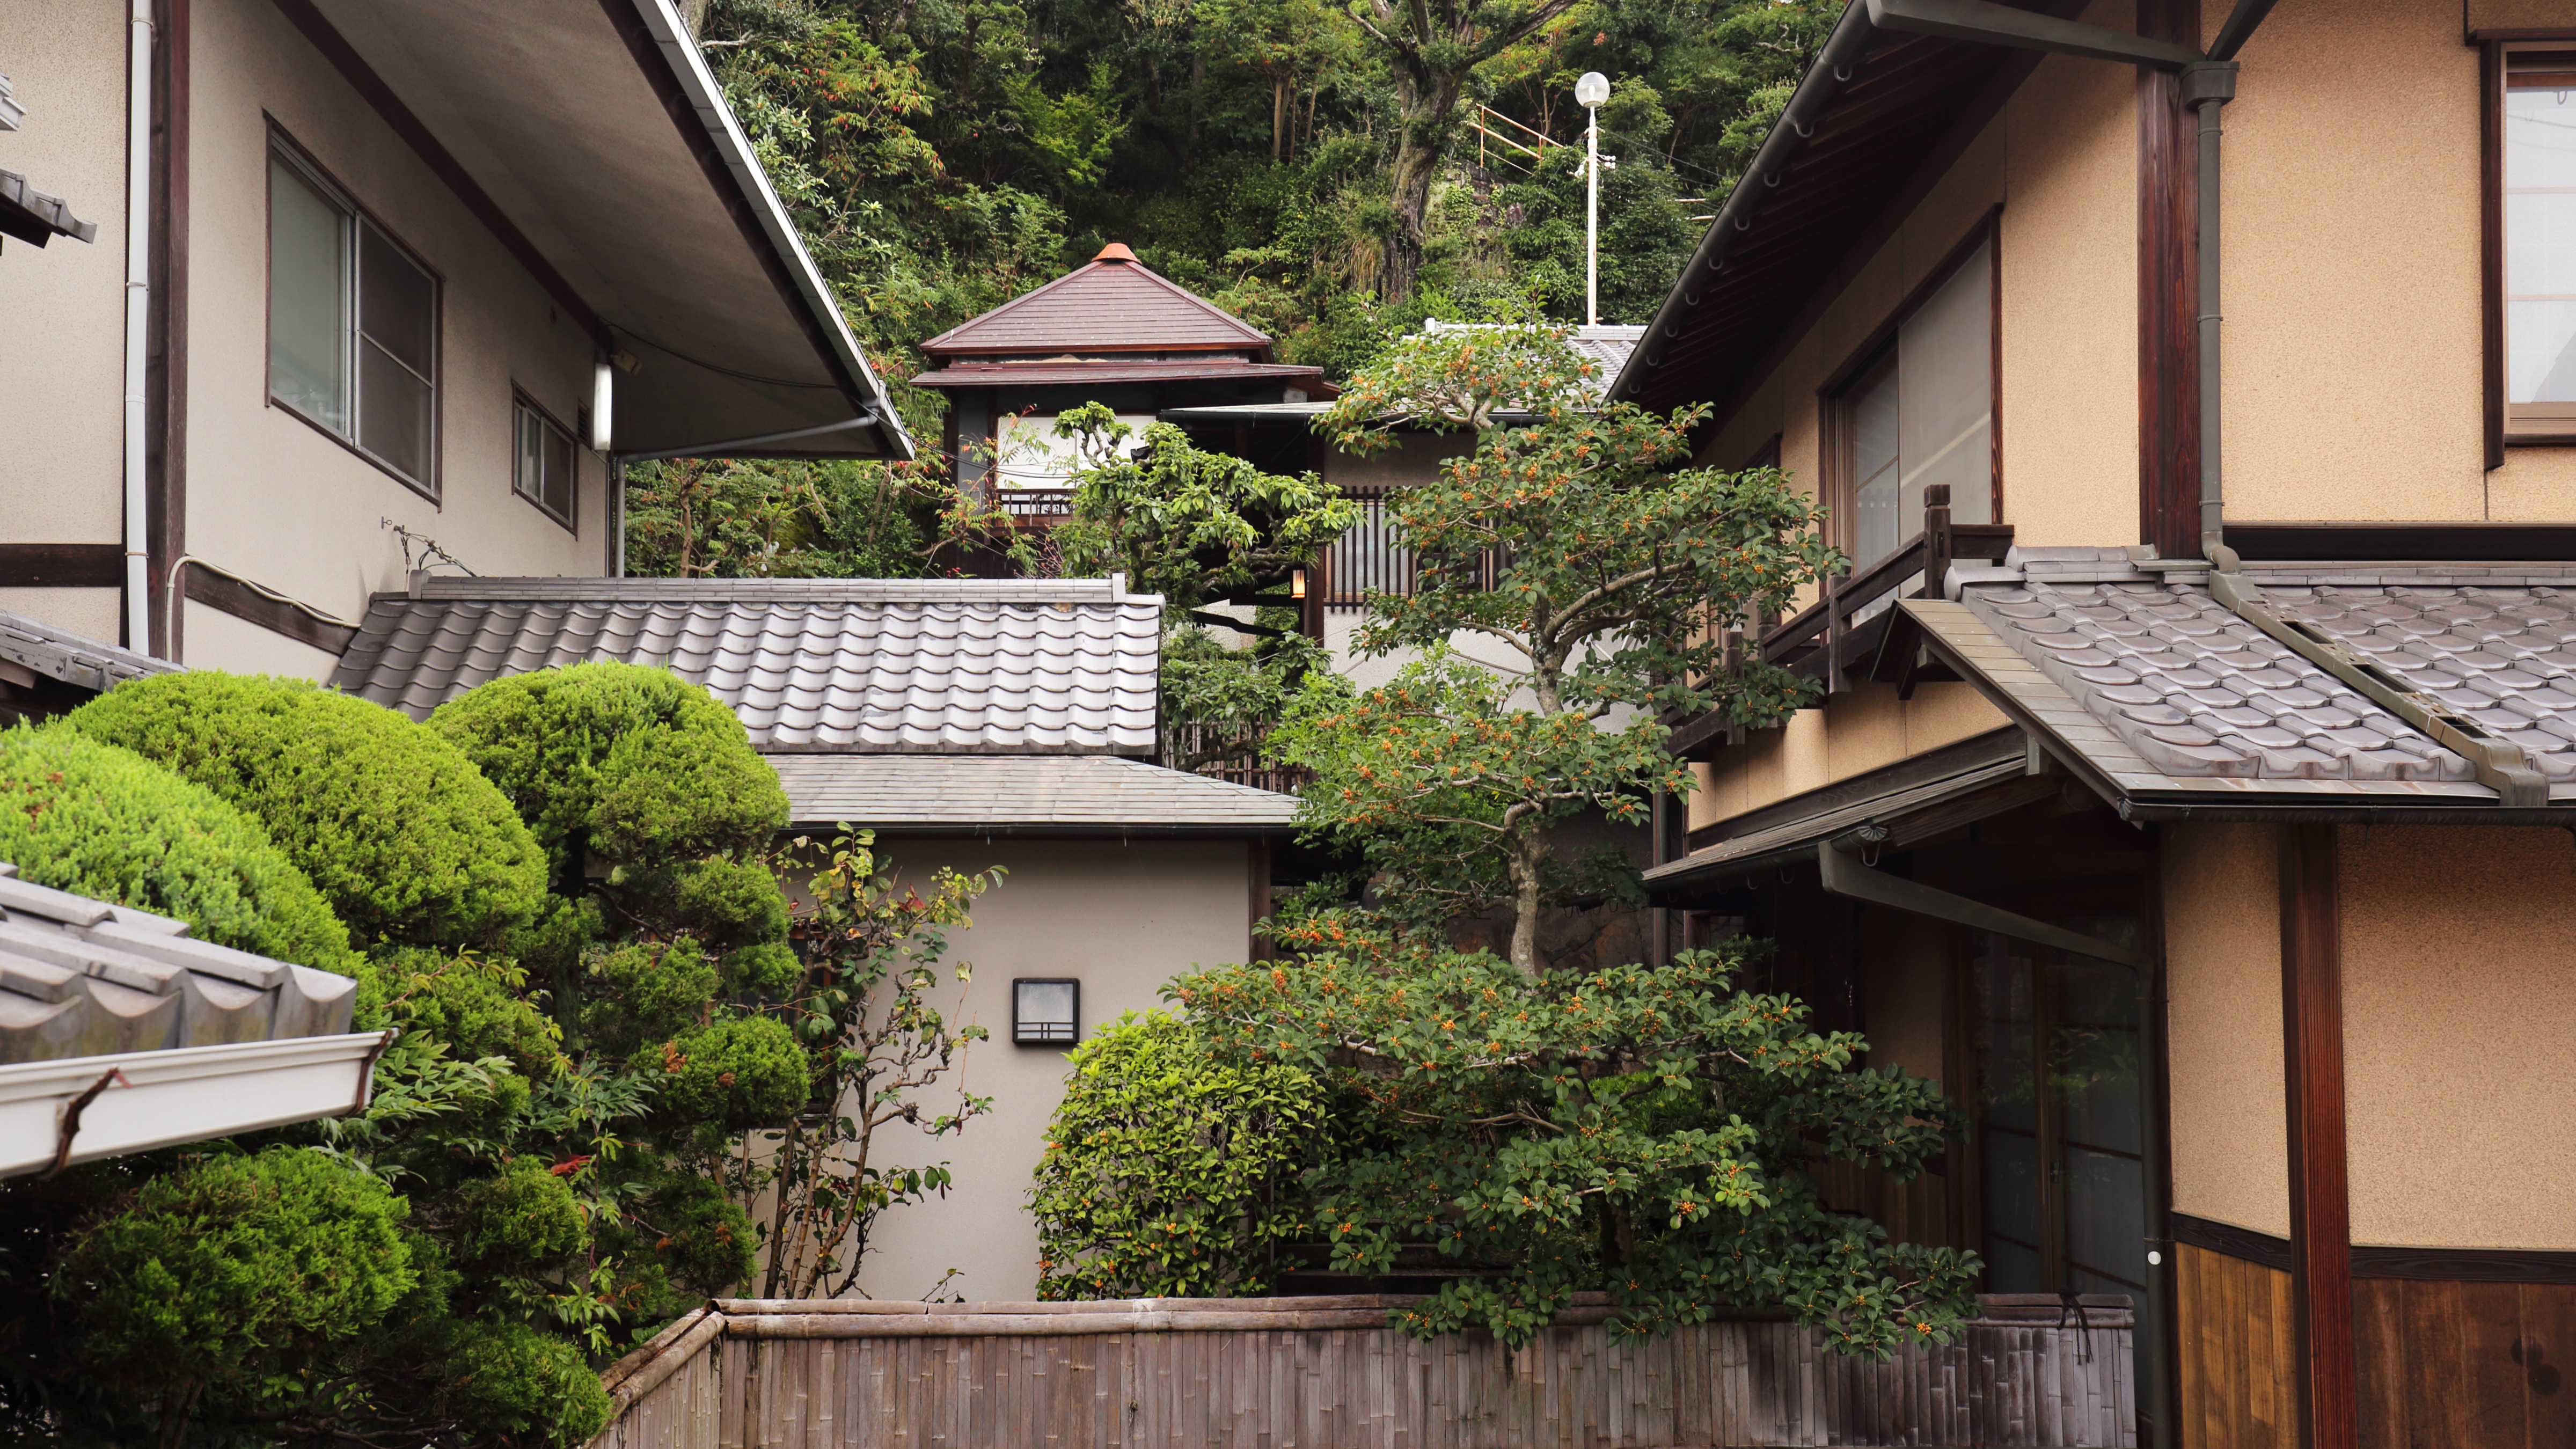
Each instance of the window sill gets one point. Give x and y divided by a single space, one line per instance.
566 524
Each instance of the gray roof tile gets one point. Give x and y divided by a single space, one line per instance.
1008 666
64 655
1020 794
81 978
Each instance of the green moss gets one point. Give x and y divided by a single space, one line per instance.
81 815
385 816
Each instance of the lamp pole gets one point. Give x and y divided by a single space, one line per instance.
1590 92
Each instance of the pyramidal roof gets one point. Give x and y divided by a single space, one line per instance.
1114 303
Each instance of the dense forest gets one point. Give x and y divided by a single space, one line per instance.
1331 172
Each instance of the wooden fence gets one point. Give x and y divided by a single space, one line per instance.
1327 1373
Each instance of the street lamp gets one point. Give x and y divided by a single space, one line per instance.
1590 92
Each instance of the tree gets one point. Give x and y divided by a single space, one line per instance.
1434 46
1580 542
1639 1129
871 951
1169 1174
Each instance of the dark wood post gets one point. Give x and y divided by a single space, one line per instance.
1834 632
2168 292
1936 539
2320 1197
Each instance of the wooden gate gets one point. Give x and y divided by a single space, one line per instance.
1327 1373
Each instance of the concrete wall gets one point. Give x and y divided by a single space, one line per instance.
268 495
2459 968
1123 917
2223 979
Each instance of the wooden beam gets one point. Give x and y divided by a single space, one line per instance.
62 566
2168 293
2320 1196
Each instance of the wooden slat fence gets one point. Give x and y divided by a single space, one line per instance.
1327 1373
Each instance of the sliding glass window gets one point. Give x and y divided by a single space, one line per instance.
2540 243
352 324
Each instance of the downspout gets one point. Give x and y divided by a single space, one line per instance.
138 313
2206 87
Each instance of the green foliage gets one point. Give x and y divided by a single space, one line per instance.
617 762
1189 525
1168 1173
742 1072
524 1384
83 816
216 1285
1640 1129
1070 136
474 1005
385 817
525 1219
1581 543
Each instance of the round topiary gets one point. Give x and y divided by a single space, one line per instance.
386 816
625 761
81 815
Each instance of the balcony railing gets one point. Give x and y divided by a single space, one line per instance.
1845 636
1035 504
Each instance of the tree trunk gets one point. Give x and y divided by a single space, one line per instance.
1278 116
1425 103
1528 862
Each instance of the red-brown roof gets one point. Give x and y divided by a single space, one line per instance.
1114 303
1052 373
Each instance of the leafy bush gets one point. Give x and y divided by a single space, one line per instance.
81 815
219 1280
385 816
1170 1174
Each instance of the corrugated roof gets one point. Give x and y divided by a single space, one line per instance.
1105 305
2166 693
911 665
81 978
71 658
1022 795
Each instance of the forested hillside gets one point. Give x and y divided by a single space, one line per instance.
1314 166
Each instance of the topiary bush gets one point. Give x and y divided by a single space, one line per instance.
385 816
82 815
216 1282
1168 1173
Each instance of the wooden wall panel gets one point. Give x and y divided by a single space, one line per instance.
2234 1375
2465 1365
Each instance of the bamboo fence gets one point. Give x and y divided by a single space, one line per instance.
1327 1373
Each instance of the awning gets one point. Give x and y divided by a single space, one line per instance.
591 137
2172 706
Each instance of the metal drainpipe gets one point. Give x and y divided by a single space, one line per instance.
138 313
2206 87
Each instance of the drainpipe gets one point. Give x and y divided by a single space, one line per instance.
138 312
2206 87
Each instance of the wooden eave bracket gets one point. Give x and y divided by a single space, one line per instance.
2499 764
1843 875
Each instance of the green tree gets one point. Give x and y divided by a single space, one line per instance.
1644 1130
1170 1174
1581 544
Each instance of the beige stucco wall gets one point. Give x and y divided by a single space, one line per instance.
272 497
2223 980
1123 917
1853 732
2459 969
62 370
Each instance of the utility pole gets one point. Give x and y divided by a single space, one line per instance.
1590 92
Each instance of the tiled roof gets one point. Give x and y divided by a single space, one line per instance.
1216 367
1009 666
1021 795
1106 305
2166 692
64 655
79 978
36 217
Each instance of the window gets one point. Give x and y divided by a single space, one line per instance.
352 324
544 471
2540 243
1920 411
1046 1013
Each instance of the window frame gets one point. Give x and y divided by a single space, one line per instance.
520 397
283 146
1068 1042
1837 398
2501 433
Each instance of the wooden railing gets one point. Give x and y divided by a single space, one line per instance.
1033 504
1845 631
1328 1373
1238 753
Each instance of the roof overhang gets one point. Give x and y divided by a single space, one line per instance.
984 795
33 217
1110 373
591 138
80 1109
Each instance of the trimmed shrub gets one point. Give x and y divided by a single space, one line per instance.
621 760
469 1003
82 815
385 816
529 1387
231 1271
743 1071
